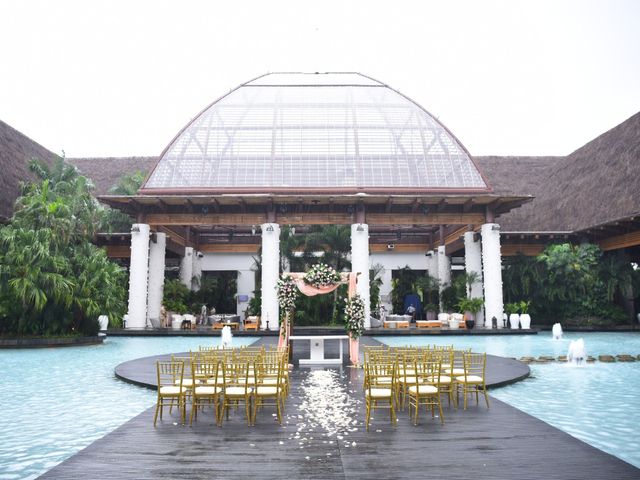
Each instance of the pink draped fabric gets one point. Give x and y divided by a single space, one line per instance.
354 350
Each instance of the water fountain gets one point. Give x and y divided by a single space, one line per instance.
226 337
557 331
577 354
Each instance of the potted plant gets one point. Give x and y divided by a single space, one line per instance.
514 318
431 310
471 307
525 318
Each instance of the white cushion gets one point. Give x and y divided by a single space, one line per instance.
212 381
379 393
187 382
269 381
469 379
166 390
455 371
423 389
443 379
407 380
207 390
383 379
267 390
236 391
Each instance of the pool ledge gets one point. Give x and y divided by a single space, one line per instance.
6 343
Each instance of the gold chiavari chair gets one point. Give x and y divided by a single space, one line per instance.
425 390
473 379
380 389
207 378
237 387
171 392
269 385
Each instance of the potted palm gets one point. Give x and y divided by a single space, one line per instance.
514 317
525 318
471 307
431 310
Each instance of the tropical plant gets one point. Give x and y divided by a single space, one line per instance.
53 281
511 308
175 296
129 183
523 306
471 305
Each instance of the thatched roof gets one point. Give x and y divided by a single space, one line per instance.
16 151
517 176
597 183
105 172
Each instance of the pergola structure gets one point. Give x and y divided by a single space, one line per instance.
309 149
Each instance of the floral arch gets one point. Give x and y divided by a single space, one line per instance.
319 280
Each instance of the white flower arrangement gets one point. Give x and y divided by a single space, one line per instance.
321 275
287 293
354 316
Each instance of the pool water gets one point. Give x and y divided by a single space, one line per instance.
598 403
57 401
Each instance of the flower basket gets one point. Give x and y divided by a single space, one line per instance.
321 275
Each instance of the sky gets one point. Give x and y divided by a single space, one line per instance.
121 78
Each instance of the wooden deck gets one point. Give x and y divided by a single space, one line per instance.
319 442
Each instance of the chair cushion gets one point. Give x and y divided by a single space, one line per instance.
455 371
167 390
407 380
187 382
236 391
469 379
202 390
382 379
212 381
443 379
423 390
267 390
379 393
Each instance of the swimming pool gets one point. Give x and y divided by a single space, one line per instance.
57 401
597 403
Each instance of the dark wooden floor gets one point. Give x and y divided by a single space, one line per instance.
324 437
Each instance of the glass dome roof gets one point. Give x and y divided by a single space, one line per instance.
314 132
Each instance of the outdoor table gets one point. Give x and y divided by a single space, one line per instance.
317 349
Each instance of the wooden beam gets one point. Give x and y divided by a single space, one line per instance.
248 219
467 205
620 241
118 251
531 250
205 219
422 219
229 248
399 247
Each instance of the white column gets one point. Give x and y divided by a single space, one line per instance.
444 270
138 276
156 275
270 274
360 264
246 285
186 267
492 269
386 289
473 264
432 264
196 273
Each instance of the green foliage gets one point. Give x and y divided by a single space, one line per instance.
510 308
454 293
175 296
53 281
575 284
472 305
375 282
129 183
